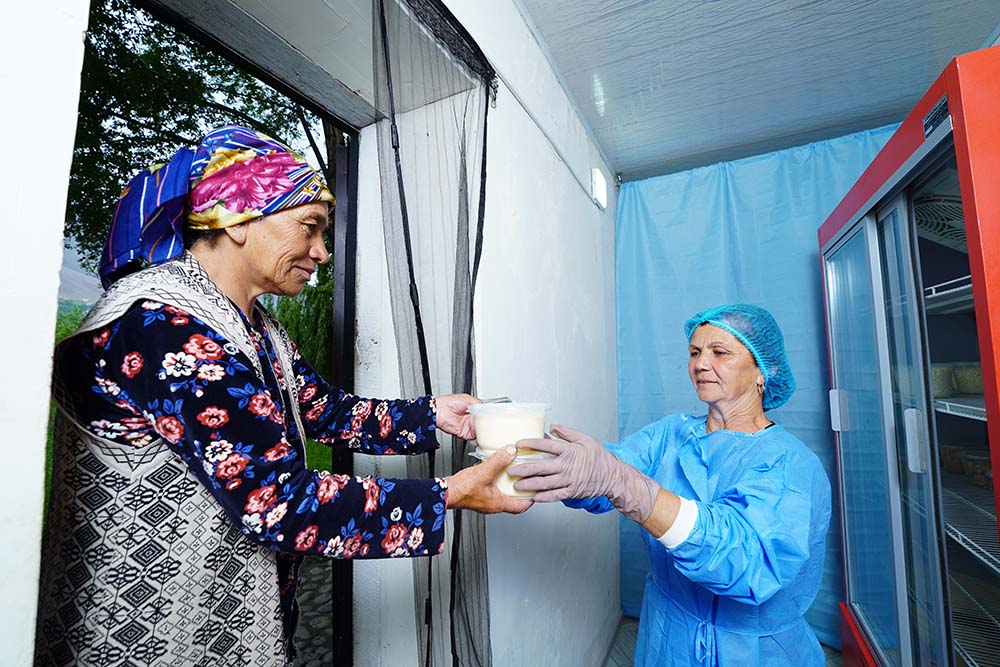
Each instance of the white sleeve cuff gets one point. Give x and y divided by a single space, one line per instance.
683 525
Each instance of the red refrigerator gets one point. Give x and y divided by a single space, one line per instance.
911 274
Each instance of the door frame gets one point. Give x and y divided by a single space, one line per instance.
291 73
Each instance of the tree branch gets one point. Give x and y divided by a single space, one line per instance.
133 122
249 120
312 142
271 101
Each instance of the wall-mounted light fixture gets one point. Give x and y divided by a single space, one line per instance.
598 188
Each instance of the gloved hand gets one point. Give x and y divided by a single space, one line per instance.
583 468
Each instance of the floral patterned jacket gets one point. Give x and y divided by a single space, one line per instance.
181 501
160 371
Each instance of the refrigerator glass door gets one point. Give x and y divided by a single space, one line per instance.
910 432
870 502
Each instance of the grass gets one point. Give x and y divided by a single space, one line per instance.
319 457
48 459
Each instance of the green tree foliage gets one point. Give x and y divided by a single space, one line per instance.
68 318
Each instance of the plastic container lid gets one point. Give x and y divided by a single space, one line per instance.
526 409
483 454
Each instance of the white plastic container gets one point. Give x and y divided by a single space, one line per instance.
502 424
505 481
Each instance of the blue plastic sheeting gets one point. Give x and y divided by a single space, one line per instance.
734 231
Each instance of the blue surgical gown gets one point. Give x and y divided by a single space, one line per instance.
735 591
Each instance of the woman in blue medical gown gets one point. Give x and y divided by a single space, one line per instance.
735 508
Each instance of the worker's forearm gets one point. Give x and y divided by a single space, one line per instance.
664 513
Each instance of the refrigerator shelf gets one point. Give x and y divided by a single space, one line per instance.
975 629
954 296
970 519
970 407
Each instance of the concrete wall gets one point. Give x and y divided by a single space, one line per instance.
544 332
41 48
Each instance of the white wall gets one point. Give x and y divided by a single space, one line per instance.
41 48
545 331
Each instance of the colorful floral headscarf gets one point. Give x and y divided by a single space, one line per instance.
236 175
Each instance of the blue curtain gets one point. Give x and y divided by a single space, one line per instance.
734 231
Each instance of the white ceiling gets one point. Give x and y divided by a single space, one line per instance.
667 85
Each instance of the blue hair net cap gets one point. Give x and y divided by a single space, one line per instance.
756 329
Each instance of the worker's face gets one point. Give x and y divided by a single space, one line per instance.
722 368
287 246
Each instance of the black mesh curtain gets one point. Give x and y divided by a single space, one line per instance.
433 86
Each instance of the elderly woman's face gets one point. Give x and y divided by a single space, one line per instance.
721 367
287 247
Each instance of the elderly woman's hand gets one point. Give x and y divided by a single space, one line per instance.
475 488
583 468
453 415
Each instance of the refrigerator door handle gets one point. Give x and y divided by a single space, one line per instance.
916 440
838 410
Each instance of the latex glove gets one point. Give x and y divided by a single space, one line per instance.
475 488
583 468
453 415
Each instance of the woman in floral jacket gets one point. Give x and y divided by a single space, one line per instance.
182 501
